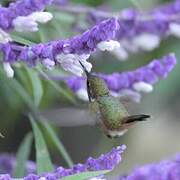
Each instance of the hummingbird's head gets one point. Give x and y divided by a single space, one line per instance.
97 86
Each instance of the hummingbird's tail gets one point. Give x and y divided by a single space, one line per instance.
134 118
85 70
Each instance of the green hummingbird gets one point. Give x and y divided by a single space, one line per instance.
112 116
105 110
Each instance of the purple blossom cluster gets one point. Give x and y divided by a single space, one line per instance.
8 163
136 28
133 22
165 170
80 44
105 162
127 83
128 32
20 8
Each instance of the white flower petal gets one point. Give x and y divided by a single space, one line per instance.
82 94
174 29
25 23
120 53
75 70
143 87
146 41
42 178
108 45
84 56
8 69
48 63
4 37
42 17
128 45
87 65
115 94
70 62
29 23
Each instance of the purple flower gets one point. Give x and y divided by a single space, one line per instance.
129 32
104 162
107 161
165 170
20 8
72 50
135 28
80 44
127 83
8 163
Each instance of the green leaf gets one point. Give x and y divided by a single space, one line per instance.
23 93
58 88
85 175
57 143
36 86
21 40
43 160
63 16
22 156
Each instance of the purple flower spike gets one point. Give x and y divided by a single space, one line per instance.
8 163
107 161
125 33
104 162
68 52
80 44
165 170
132 82
20 8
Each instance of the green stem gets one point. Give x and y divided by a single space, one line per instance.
60 147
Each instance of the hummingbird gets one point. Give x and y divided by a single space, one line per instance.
112 116
105 111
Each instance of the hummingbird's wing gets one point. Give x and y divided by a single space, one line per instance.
129 96
69 117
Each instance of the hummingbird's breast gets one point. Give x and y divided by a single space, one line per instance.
112 112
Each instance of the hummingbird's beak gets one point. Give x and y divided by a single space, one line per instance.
85 70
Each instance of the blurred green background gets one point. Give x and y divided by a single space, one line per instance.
146 142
